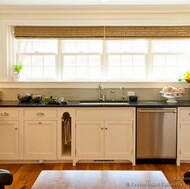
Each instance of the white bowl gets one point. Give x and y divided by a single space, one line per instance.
172 97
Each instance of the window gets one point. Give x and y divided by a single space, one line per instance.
170 58
126 59
38 58
81 59
113 60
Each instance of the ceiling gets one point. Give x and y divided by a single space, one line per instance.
94 2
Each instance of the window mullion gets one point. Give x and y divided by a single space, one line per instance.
104 62
149 65
58 61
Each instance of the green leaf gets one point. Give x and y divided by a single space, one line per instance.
18 68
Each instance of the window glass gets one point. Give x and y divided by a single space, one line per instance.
77 46
170 59
122 60
38 58
126 59
82 59
134 46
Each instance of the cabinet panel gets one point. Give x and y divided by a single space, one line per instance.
105 113
185 139
9 140
118 138
184 113
40 140
89 138
183 133
9 113
40 113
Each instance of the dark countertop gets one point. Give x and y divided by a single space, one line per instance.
180 103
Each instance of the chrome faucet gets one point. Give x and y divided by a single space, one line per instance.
101 95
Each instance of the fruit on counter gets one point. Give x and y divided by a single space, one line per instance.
179 90
50 99
187 76
55 100
171 89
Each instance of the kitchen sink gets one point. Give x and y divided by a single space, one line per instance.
104 102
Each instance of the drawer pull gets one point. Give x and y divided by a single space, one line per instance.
5 114
40 114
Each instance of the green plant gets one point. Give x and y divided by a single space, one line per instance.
18 67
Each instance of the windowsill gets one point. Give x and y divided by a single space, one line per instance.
61 84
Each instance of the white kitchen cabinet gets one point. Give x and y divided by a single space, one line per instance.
9 140
183 150
90 138
104 138
105 134
40 140
118 138
97 133
10 134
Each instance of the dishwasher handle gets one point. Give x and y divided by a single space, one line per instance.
157 110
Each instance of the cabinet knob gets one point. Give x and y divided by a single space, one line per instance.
4 114
102 128
106 128
40 114
16 129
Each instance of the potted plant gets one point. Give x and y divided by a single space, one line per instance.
17 70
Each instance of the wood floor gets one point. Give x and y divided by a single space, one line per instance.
26 174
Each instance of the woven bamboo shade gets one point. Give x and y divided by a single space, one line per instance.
146 31
100 32
59 32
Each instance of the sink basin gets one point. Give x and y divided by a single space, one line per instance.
104 102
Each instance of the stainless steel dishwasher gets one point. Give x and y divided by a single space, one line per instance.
156 133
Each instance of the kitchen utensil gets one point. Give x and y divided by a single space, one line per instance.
24 97
36 98
133 98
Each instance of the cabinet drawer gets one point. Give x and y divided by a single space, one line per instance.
105 113
184 113
40 113
9 113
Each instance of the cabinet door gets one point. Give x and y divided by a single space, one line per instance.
9 140
89 138
40 140
118 138
185 139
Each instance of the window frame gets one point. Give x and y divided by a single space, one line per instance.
156 18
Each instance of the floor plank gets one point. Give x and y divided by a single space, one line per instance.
26 174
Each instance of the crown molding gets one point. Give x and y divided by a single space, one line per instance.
93 9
